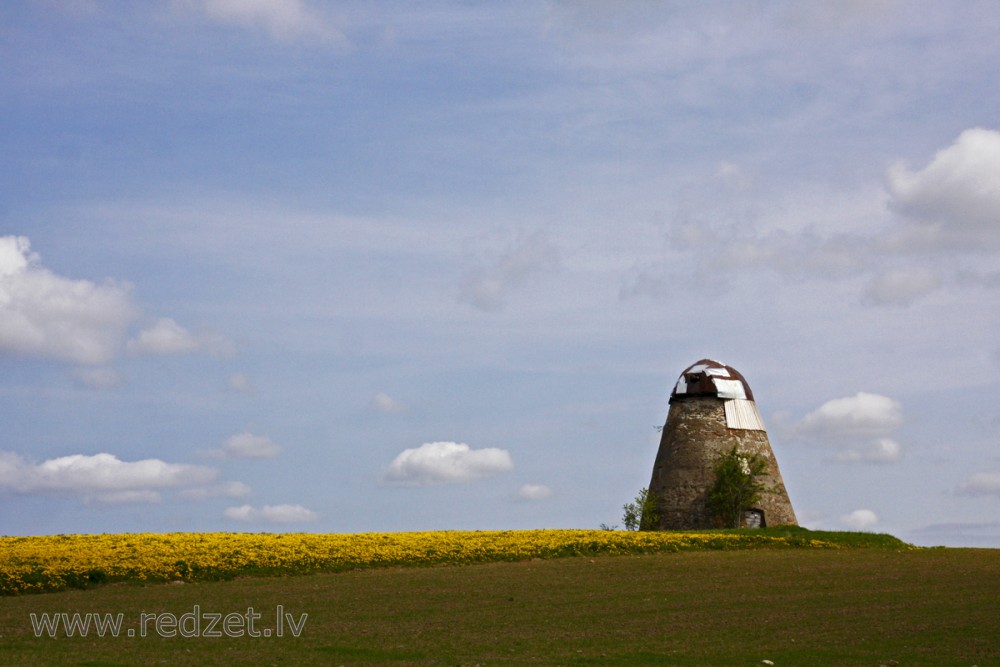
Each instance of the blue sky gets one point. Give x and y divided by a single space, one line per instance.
391 266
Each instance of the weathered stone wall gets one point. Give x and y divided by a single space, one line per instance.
694 437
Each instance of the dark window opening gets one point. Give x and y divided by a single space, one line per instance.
754 518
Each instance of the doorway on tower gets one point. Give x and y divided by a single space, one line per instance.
754 518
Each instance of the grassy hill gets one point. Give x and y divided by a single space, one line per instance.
56 562
874 601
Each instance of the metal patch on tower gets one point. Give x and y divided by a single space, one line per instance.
729 389
743 414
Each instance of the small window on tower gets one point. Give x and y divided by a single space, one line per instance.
754 518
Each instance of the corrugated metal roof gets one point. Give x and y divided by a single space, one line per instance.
729 388
708 377
743 414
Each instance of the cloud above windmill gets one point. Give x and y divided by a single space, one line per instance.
955 200
857 426
446 463
860 520
949 206
100 477
48 316
165 337
45 315
270 514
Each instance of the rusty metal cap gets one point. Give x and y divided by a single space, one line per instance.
711 378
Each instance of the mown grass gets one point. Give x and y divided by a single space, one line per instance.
860 606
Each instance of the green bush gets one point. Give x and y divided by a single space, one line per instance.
642 514
736 486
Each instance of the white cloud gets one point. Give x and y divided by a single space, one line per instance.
534 492
981 484
235 489
15 255
952 205
386 404
166 337
102 477
488 288
446 462
246 445
281 19
863 414
879 450
955 200
242 384
45 315
860 519
858 426
271 514
902 286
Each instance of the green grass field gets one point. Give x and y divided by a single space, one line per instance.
859 606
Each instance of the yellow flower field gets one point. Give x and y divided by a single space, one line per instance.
50 563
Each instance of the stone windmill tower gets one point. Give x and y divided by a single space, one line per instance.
712 409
